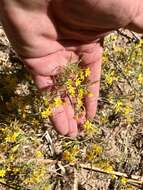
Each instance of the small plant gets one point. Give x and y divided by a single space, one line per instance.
73 83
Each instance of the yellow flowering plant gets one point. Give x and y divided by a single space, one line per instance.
71 82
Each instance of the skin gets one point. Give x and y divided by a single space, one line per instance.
48 33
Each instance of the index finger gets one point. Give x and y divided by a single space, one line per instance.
91 56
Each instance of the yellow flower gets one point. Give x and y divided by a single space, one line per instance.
57 101
36 176
12 157
113 37
87 72
140 43
110 77
141 62
128 69
94 150
74 150
105 165
90 156
71 90
45 101
67 156
70 87
140 78
38 154
89 128
109 169
2 172
129 119
12 138
81 93
123 180
118 106
127 110
97 149
69 82
78 82
70 155
46 113
118 49
105 57
47 188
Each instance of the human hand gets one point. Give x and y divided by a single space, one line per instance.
46 35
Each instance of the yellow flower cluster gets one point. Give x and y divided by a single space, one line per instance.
71 154
87 72
39 154
118 106
57 102
140 78
123 180
93 152
49 108
105 165
70 87
110 77
2 173
46 113
140 43
36 176
72 83
89 127
76 86
12 137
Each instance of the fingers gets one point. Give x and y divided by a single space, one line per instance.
62 116
60 120
63 119
73 129
51 64
92 98
91 56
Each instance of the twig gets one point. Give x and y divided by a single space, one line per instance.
134 35
124 35
131 179
75 184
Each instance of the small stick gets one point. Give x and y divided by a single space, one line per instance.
132 179
75 184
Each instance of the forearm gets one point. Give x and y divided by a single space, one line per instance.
28 26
